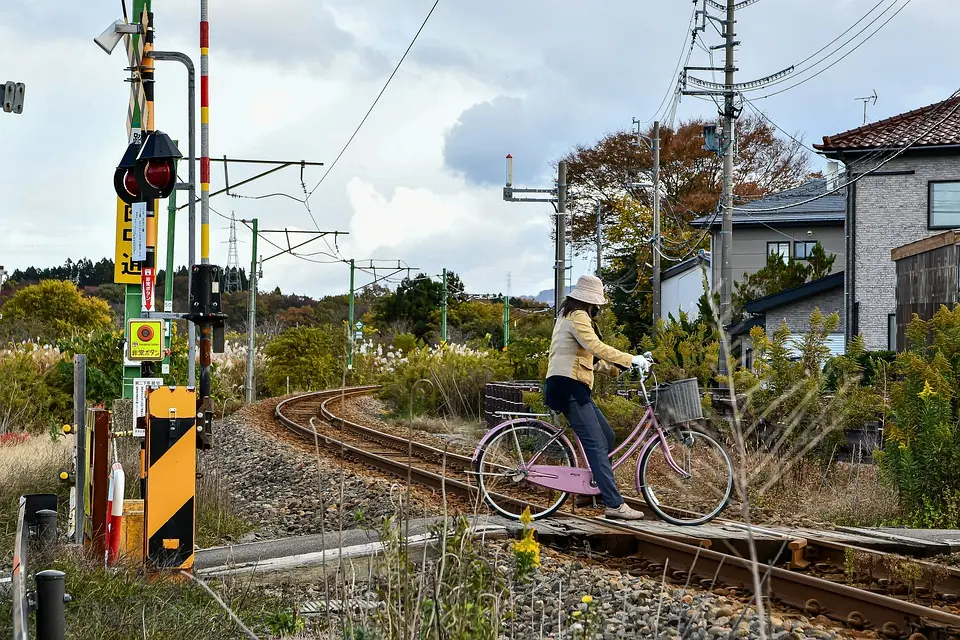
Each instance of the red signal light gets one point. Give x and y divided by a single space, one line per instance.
158 174
130 183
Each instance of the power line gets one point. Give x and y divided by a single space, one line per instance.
896 154
672 87
763 115
844 56
375 101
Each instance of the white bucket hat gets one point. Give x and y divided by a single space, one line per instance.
589 289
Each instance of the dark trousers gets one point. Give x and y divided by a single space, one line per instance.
598 439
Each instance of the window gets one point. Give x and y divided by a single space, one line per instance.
802 250
892 332
943 205
779 248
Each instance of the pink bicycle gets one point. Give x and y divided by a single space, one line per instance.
684 475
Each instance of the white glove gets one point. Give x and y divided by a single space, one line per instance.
641 363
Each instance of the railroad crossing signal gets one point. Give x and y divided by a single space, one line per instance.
13 96
145 342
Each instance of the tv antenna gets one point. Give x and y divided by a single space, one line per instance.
872 98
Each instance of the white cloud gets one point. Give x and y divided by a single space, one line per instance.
290 80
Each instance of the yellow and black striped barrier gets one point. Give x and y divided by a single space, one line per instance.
171 473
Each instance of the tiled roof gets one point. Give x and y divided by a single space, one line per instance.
903 129
799 206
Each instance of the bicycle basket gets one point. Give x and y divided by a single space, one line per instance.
678 402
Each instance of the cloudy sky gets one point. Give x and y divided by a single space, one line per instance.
291 79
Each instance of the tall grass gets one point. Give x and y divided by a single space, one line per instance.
29 467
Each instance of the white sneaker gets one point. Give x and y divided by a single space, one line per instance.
623 512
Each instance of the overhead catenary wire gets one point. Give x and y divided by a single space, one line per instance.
375 101
900 151
838 60
671 89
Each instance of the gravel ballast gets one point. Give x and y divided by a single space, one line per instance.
276 486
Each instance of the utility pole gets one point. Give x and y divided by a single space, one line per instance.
656 222
251 394
557 197
729 135
599 243
443 308
350 331
560 291
727 145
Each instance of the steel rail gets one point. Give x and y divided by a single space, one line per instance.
859 608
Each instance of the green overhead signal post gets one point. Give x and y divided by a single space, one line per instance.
506 321
443 308
350 333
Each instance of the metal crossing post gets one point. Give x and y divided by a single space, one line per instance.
171 463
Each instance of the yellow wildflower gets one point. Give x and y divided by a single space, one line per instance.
927 390
577 614
525 517
586 599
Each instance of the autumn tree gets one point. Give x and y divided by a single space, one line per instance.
58 307
691 182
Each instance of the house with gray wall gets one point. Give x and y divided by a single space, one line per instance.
788 223
904 186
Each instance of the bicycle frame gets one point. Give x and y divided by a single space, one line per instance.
577 479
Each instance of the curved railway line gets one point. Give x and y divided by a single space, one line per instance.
891 616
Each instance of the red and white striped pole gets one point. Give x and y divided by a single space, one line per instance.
115 513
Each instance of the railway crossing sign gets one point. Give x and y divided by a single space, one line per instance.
145 342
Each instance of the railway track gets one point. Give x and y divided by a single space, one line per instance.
814 582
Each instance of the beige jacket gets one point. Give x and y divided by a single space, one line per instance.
574 346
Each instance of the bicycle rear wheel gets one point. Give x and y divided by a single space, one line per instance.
701 492
502 479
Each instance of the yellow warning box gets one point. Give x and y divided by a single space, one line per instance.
145 341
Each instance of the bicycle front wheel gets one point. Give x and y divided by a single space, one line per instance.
502 479
696 495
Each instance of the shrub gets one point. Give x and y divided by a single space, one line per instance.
921 454
405 342
458 374
789 402
684 349
528 357
28 401
60 306
313 358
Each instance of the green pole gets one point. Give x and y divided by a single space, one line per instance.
168 279
506 321
132 294
250 387
443 309
350 328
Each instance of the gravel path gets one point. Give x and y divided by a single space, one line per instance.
276 486
621 606
630 606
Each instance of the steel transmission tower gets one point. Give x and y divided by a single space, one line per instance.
232 274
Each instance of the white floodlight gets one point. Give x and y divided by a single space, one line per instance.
112 35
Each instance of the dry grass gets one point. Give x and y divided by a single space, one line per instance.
806 493
838 493
30 467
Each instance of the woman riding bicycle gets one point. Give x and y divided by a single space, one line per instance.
574 350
